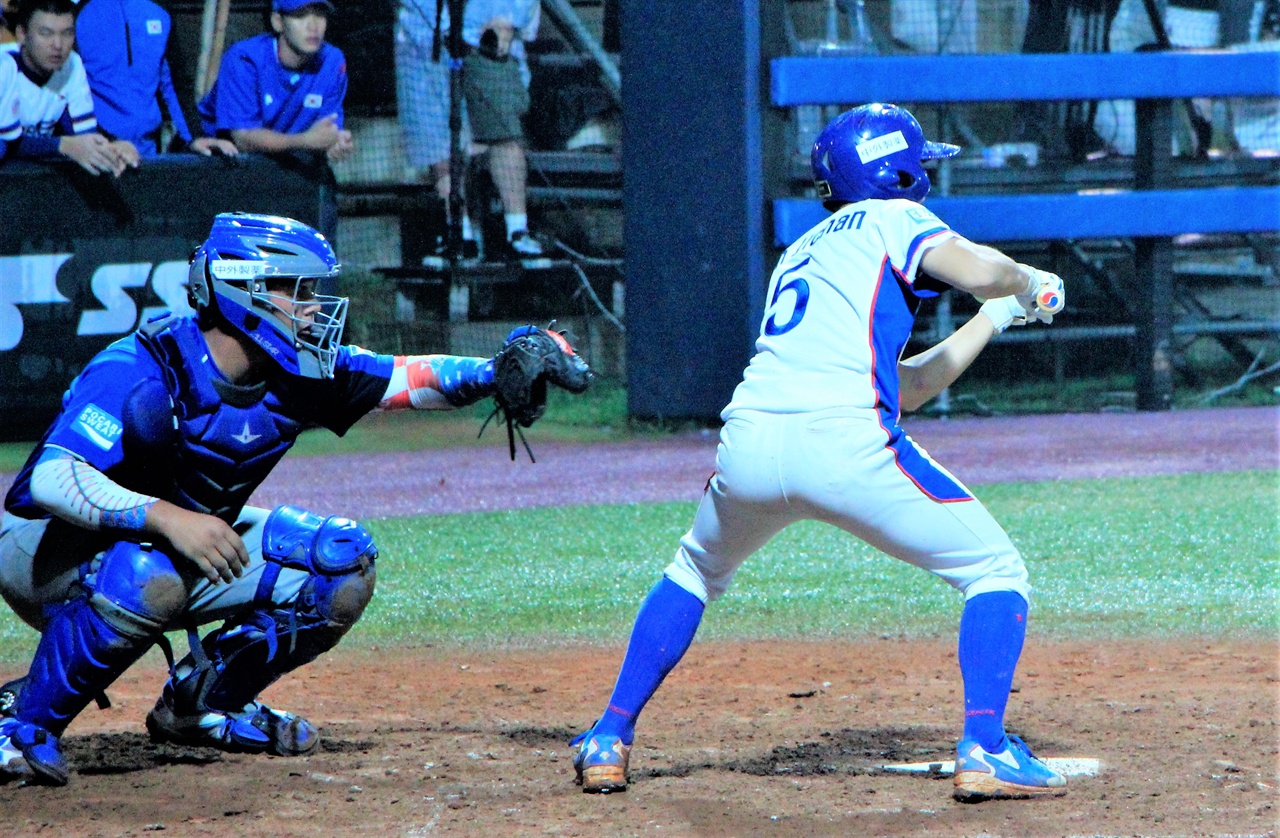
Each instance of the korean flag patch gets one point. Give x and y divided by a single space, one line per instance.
155 27
313 100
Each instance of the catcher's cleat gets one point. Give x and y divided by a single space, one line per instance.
30 753
1012 772
256 729
601 763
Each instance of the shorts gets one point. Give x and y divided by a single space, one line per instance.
496 98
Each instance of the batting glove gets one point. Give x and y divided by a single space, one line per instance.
1044 297
1004 312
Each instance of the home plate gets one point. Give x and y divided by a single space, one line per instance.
1067 766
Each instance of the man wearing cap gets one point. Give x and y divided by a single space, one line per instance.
283 92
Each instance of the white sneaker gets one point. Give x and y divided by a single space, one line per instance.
524 244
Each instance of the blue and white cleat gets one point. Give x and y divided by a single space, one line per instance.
601 762
254 730
1012 772
30 753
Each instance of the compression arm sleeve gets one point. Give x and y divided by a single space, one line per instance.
437 382
77 492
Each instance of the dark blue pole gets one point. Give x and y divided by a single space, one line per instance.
694 97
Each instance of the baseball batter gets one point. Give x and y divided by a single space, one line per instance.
813 432
129 518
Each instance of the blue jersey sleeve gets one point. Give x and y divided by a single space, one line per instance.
233 104
360 380
171 104
339 84
97 405
120 395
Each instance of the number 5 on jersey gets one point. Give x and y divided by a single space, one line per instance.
801 289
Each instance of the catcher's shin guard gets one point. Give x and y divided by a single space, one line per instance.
211 697
88 642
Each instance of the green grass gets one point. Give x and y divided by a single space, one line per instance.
1187 555
1167 556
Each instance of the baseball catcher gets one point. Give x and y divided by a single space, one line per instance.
129 519
531 359
812 432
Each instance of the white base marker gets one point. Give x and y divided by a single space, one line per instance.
1067 766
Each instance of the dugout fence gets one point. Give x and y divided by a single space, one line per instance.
1134 153
667 164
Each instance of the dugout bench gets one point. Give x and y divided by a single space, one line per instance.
1149 209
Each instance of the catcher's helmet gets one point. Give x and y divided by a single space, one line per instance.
874 151
230 274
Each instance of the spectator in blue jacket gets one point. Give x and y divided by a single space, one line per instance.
123 44
283 92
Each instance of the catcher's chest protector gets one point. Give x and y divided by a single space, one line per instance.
228 438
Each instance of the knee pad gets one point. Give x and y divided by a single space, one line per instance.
126 604
338 554
249 653
137 590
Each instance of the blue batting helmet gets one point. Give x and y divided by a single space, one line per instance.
874 151
243 273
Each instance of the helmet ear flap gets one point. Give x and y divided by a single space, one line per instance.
199 294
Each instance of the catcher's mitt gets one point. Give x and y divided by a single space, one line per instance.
531 358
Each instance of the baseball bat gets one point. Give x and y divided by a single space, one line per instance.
1049 299
213 40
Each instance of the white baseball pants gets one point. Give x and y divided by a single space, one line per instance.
847 468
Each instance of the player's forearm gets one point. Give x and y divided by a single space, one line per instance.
437 382
922 377
982 271
266 141
77 492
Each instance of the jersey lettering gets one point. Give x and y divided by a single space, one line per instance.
851 221
799 304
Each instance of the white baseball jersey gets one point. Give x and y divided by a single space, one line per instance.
839 311
40 107
812 431
10 122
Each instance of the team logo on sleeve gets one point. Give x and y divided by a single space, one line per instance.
313 100
98 426
155 27
920 215
882 146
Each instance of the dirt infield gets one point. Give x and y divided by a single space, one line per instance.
745 738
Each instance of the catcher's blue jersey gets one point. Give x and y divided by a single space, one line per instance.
154 414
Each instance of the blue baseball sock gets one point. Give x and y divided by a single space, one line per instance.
668 619
992 629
